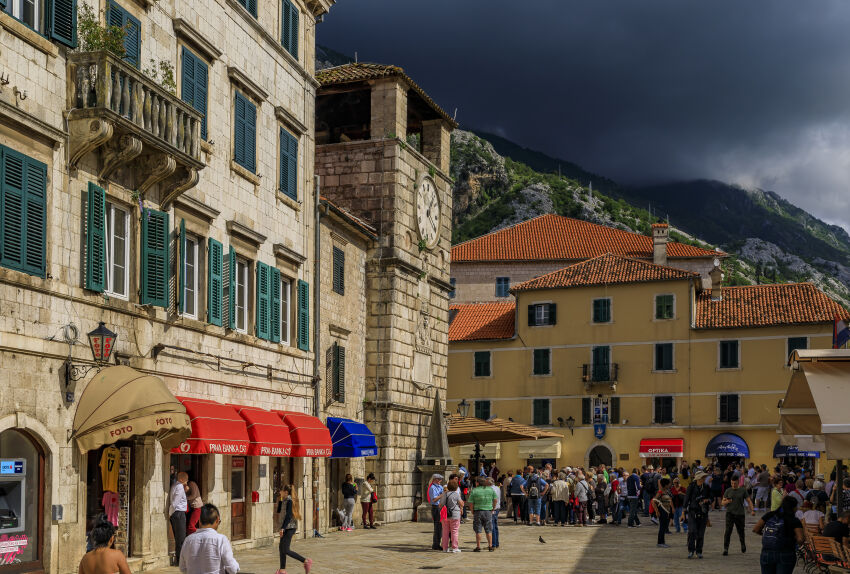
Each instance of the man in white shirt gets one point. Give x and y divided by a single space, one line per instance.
177 512
206 551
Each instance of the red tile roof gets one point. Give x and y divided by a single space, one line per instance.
549 237
608 269
766 305
482 321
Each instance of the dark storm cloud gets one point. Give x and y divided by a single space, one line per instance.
749 91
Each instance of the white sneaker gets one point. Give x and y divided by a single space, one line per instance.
455 550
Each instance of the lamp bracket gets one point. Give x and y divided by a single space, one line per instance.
76 372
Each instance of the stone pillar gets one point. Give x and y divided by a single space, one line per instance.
436 143
143 480
389 109
423 511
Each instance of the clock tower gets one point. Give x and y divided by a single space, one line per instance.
382 154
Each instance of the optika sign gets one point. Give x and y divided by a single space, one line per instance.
658 450
121 431
275 450
218 448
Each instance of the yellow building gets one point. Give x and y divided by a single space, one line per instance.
633 361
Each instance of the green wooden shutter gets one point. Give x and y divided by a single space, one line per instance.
532 315
23 212
215 283
194 86
118 16
250 136
239 130
284 25
263 301
288 164
231 292
303 315
181 263
293 30
274 292
62 21
553 316
187 76
339 270
339 372
96 239
614 417
585 411
154 276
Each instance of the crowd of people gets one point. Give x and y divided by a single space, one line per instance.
681 497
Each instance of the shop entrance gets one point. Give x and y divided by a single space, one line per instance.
109 470
237 497
601 455
21 501
282 474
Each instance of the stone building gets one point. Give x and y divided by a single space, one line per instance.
182 218
382 155
486 267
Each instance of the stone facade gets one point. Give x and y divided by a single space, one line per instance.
228 203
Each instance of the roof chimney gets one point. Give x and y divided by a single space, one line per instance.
716 282
660 234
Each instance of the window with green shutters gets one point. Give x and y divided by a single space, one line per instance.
540 416
229 298
482 363
728 409
116 15
96 238
288 164
664 356
482 410
664 306
338 271
245 133
193 87
274 305
586 411
55 19
795 343
540 314
154 262
601 363
215 282
250 6
542 364
729 355
602 310
662 410
23 212
289 27
303 315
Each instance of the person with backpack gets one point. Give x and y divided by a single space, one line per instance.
780 532
535 489
697 504
648 490
663 505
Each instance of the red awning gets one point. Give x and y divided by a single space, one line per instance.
269 436
216 429
662 447
309 436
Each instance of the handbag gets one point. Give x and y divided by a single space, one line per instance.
374 497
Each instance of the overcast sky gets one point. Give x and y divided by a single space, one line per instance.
755 92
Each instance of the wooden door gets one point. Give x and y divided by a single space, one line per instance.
237 498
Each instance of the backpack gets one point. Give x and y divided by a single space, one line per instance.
773 535
533 490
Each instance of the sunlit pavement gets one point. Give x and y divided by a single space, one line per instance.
404 547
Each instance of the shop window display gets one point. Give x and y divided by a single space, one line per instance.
21 498
108 490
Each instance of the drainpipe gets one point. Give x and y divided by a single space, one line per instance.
317 283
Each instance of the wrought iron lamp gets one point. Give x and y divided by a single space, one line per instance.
101 342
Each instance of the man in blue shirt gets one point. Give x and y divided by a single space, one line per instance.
517 492
435 490
632 490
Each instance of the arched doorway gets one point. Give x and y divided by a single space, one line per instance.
22 500
600 454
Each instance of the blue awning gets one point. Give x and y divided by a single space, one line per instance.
781 451
727 444
351 439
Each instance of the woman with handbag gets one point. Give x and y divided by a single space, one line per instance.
288 506
368 498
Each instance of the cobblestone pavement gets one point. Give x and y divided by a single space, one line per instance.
403 547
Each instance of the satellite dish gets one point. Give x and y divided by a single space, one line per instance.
716 262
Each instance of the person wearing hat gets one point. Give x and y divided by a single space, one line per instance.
697 503
435 491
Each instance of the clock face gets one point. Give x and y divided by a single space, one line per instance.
428 211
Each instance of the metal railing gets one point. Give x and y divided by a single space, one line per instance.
600 373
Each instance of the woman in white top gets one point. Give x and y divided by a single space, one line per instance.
810 516
368 499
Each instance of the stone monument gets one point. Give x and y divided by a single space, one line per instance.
436 459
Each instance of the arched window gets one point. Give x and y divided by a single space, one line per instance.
21 498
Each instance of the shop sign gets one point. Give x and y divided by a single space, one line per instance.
368 451
12 466
275 450
227 448
599 430
317 451
11 547
238 463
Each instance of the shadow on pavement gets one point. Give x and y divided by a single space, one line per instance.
408 548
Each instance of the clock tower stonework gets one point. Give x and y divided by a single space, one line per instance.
382 154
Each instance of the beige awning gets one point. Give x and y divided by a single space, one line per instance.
491 451
120 402
817 402
541 448
470 430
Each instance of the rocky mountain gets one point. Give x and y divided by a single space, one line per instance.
768 238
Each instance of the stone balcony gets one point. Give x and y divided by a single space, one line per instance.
134 123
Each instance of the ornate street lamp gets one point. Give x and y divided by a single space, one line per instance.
571 423
101 341
463 408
